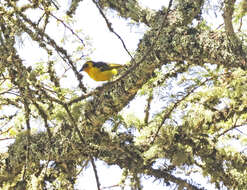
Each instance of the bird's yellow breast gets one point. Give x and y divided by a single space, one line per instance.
98 75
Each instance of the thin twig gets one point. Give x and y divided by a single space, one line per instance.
2 132
82 167
95 173
3 125
240 130
235 126
175 105
7 138
109 25
61 21
68 27
110 187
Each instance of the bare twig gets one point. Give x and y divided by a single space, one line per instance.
3 125
109 25
68 27
240 130
235 126
95 173
7 138
83 165
110 187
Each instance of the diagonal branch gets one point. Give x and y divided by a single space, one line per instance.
168 177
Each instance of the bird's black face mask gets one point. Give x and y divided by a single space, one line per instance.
84 67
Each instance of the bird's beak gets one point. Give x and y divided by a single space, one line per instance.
82 69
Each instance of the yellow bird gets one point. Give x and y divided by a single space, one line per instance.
100 71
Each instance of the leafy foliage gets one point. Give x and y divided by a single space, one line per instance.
189 76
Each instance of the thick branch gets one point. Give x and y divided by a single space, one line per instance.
126 156
128 9
228 12
236 43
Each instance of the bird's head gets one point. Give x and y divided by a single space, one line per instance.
86 66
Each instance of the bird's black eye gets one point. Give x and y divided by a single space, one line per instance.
85 66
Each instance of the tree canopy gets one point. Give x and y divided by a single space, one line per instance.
191 74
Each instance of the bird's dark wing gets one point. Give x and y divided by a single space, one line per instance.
102 66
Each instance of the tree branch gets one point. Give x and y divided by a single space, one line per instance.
236 43
95 174
228 12
168 177
177 41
